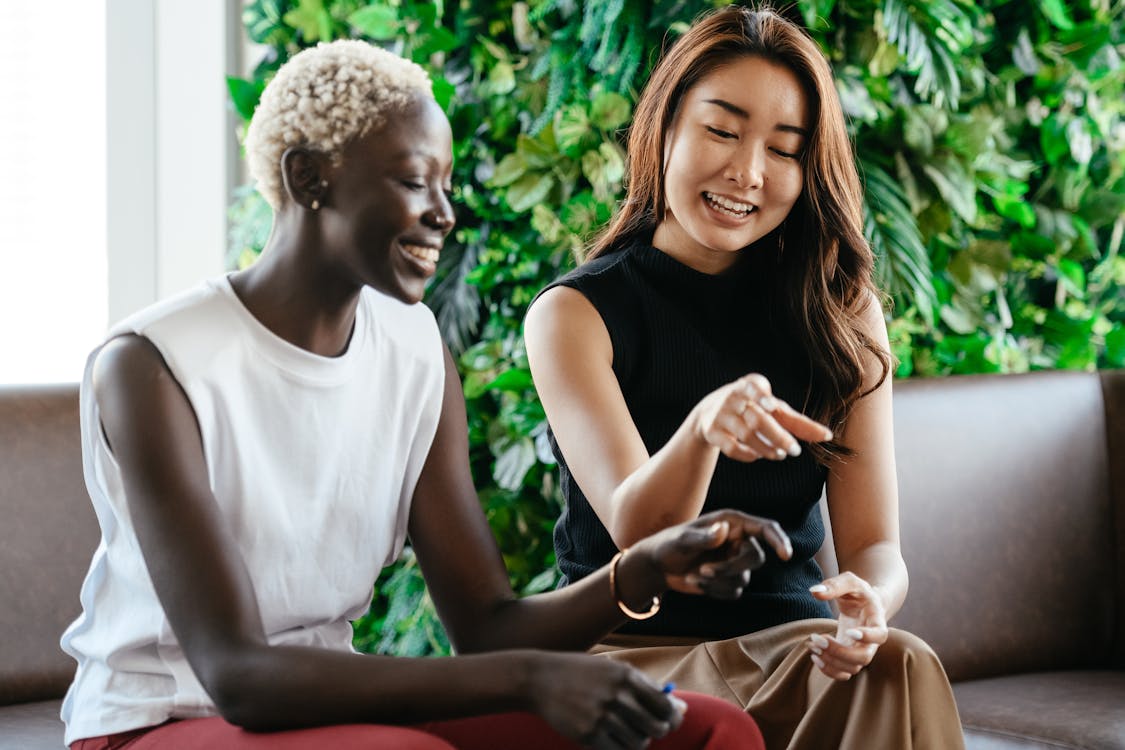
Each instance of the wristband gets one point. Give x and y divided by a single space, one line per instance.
620 604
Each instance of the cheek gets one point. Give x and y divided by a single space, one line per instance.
788 186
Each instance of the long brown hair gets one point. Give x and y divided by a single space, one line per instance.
823 260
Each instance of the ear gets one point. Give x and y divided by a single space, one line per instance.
303 174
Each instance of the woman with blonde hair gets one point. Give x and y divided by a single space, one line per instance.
723 346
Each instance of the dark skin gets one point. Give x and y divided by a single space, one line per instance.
388 192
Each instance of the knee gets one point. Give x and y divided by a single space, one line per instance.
714 723
904 652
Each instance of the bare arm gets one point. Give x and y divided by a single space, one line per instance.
635 494
863 506
469 583
213 611
862 491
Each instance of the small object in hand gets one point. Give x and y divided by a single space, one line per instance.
681 706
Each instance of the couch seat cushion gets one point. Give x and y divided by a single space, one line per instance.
31 726
1072 710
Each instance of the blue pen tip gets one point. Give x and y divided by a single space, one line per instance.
669 687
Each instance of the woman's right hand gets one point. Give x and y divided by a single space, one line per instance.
745 421
598 702
713 555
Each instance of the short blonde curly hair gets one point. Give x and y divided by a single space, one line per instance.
322 99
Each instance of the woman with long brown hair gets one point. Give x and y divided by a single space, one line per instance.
723 345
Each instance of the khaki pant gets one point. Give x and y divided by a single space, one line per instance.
901 701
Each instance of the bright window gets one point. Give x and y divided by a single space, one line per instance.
53 306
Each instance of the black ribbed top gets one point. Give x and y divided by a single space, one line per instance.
677 335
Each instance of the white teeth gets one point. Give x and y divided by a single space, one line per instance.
734 208
421 252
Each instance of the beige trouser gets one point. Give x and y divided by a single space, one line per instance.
901 701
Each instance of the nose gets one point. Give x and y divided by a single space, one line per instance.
746 169
440 216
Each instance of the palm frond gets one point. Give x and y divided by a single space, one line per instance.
931 35
902 265
456 303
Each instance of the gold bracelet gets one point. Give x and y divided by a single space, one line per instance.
620 604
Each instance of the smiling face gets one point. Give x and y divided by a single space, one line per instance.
732 162
388 210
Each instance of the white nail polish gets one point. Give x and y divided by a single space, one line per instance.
819 588
854 634
767 403
819 641
795 450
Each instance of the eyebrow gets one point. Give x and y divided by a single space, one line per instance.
740 112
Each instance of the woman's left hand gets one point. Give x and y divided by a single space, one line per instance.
860 630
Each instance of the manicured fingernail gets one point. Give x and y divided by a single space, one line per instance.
758 434
855 635
819 641
820 588
817 660
767 402
781 453
828 434
794 449
815 648
681 705
716 527
707 571
691 579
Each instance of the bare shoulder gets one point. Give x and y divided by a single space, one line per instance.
126 360
873 317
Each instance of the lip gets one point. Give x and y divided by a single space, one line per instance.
721 217
424 267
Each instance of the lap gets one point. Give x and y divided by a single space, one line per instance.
707 720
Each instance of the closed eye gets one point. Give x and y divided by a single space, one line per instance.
720 133
411 184
785 154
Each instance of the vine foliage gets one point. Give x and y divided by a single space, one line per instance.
990 137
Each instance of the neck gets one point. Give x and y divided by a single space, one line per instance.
670 239
304 302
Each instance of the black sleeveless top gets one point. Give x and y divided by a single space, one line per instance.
677 335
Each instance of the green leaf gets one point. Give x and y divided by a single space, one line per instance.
1115 346
376 21
609 110
514 458
529 190
955 186
1056 13
244 95
516 379
510 169
311 19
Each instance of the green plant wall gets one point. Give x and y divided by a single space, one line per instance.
990 137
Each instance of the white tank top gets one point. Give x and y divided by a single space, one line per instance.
313 461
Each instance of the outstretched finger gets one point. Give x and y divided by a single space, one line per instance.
800 426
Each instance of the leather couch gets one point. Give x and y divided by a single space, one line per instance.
1013 528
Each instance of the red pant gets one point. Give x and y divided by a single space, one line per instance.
709 724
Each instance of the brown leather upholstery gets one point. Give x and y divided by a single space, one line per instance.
1012 504
1006 521
1057 709
47 534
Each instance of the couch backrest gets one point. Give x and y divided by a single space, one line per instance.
1012 503
48 532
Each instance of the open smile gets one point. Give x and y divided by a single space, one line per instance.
422 257
728 206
